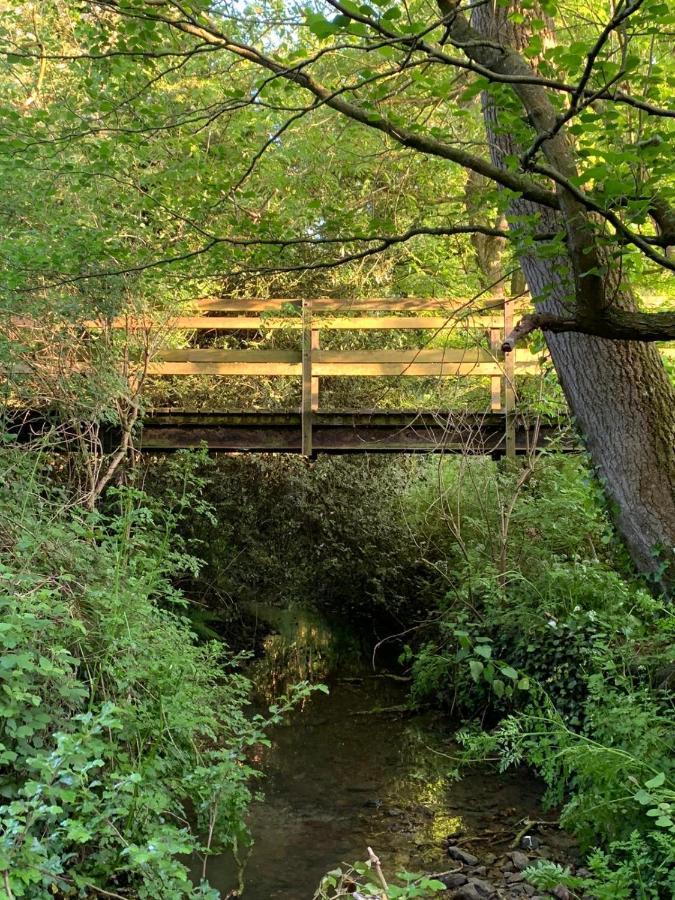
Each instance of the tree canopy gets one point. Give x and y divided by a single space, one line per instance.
227 141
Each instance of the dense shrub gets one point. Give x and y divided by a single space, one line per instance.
122 740
328 533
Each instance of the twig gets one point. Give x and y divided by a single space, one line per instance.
103 892
477 838
8 889
93 887
375 860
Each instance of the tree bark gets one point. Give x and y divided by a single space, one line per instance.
618 391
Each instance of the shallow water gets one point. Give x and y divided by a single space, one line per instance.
342 776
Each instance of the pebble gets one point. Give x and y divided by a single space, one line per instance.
453 879
484 888
463 856
519 860
467 892
495 876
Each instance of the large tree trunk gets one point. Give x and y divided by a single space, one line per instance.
618 391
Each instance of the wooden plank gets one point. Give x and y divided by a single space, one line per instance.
333 323
187 323
408 323
190 354
496 380
347 304
510 364
441 354
306 403
235 304
426 355
315 341
427 370
216 368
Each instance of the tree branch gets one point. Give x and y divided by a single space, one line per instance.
615 325
423 143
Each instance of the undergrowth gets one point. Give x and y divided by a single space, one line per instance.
561 656
123 741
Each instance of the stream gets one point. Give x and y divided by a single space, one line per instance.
344 773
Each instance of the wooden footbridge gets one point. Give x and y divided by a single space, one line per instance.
497 430
457 340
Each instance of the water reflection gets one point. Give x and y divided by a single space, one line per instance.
300 646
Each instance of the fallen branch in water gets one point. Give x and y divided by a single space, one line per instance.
381 710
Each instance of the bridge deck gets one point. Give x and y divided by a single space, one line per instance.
349 431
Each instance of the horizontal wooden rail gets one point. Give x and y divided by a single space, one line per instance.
526 364
429 363
368 304
330 323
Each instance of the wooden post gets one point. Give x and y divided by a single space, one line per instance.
496 341
306 405
509 383
314 345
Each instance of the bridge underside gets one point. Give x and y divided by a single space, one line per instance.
355 431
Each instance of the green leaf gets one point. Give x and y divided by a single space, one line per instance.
320 26
508 672
656 781
476 669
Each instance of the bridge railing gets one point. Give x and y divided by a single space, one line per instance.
311 363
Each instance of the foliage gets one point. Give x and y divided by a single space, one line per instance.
635 868
533 569
327 533
123 741
545 631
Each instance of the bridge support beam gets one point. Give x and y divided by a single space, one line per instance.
509 383
306 410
